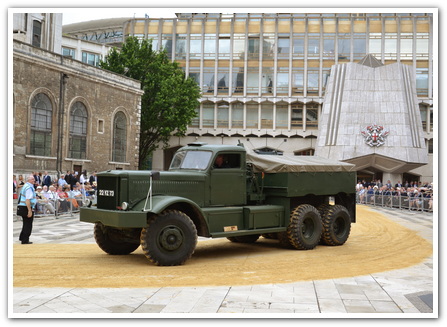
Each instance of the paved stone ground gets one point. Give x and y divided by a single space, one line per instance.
401 293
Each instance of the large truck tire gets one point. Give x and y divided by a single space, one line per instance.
305 227
111 240
336 225
244 239
169 239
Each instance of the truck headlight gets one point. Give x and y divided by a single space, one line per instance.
124 205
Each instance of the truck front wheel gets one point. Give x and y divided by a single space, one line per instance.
112 240
169 239
336 225
305 227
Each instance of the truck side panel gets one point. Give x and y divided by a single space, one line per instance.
301 184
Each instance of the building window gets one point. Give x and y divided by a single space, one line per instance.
312 80
423 110
267 115
252 115
253 80
298 46
180 46
313 45
282 80
297 115
308 152
312 115
283 47
359 46
222 115
253 48
37 33
237 115
195 46
208 80
91 58
282 116
78 131
422 81
298 80
268 46
267 80
67 52
239 46
41 122
224 47
430 146
166 44
223 75
119 147
194 73
238 80
208 114
209 47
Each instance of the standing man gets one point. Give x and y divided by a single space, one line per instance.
25 209
93 178
46 180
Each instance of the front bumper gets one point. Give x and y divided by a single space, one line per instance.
114 218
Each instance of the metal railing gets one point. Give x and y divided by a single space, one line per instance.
59 207
420 202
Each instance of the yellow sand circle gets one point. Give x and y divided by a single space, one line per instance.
376 244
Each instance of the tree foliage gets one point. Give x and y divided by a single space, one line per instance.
169 102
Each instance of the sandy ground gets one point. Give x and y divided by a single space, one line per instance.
376 244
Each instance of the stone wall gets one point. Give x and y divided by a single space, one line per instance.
66 81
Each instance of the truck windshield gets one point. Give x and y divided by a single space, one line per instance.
191 160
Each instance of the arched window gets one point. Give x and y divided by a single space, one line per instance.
41 121
78 131
119 146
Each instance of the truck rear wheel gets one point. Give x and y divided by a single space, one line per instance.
336 225
169 239
111 240
305 227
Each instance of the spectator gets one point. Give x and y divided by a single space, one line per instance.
46 180
62 194
83 177
92 178
45 204
76 195
14 186
20 183
25 209
73 179
62 181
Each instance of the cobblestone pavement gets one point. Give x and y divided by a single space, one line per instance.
406 293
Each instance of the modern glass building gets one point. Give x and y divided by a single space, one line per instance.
263 75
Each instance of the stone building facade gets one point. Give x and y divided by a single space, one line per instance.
71 116
370 117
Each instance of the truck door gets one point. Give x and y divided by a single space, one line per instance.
228 184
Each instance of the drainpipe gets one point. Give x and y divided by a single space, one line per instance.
60 121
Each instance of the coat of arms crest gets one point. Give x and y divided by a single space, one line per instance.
374 135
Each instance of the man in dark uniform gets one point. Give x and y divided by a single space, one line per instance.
25 209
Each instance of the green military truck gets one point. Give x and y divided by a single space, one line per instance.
218 191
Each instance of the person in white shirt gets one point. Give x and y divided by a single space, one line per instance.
44 201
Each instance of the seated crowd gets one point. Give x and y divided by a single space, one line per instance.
414 195
65 194
62 198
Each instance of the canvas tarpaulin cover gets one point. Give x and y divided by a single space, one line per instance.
295 164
